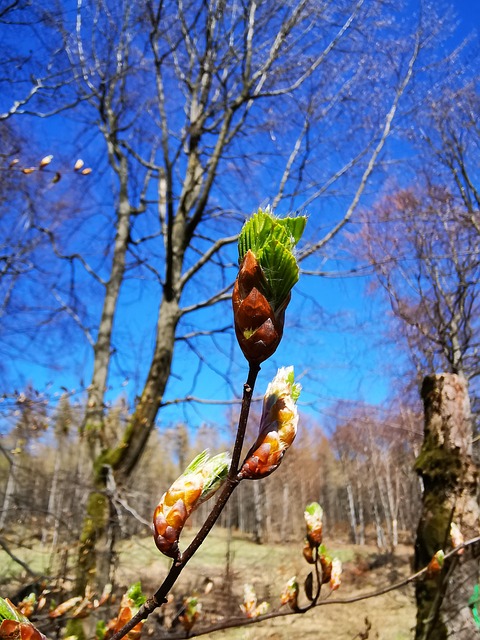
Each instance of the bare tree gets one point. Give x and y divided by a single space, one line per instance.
194 109
423 249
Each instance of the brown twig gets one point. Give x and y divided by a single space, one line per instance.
241 621
231 482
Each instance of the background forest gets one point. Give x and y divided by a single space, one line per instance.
136 138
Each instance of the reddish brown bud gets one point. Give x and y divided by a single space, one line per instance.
326 564
258 328
308 553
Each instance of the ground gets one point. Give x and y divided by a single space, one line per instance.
225 563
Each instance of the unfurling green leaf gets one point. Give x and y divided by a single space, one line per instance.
136 595
272 240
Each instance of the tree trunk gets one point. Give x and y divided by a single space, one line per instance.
258 500
361 515
351 510
450 484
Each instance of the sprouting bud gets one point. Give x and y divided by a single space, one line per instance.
131 602
13 624
278 426
308 552
436 563
456 536
268 271
326 564
313 519
86 171
78 165
13 162
249 606
198 483
44 162
191 612
335 574
289 594
28 170
27 605
262 609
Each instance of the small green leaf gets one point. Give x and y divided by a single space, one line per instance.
100 630
473 603
197 462
10 612
136 595
272 241
314 509
215 472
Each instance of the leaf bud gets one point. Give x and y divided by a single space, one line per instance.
289 594
191 612
308 552
268 271
249 606
326 564
335 575
436 563
44 162
313 519
278 426
456 536
200 480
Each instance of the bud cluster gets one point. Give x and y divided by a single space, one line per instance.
131 602
191 612
249 606
44 163
315 552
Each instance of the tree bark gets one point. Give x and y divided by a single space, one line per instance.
450 484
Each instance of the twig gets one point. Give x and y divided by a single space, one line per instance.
231 482
25 566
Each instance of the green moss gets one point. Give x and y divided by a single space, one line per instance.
426 592
96 517
74 629
94 524
439 467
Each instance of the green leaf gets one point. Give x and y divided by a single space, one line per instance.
197 462
272 241
314 509
294 227
100 630
216 470
473 603
10 612
281 271
136 595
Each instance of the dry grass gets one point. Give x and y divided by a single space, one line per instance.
267 568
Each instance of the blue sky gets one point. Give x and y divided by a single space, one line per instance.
340 357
